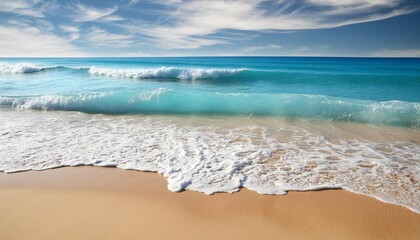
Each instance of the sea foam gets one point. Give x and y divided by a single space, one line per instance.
138 73
22 68
165 72
221 155
169 101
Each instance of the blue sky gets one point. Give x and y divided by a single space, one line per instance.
42 28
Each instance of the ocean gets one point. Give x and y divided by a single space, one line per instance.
217 124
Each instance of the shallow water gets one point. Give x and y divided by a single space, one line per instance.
268 124
368 90
222 154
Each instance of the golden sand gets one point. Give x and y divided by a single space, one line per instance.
109 203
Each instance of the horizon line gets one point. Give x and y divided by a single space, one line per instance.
215 56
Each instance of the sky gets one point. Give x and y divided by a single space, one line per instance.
143 28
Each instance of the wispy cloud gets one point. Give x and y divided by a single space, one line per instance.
261 48
133 2
40 25
73 31
195 20
20 7
190 26
84 13
32 42
70 29
99 38
112 18
364 3
302 48
396 53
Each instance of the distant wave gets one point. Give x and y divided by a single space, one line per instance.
165 72
138 73
167 101
22 68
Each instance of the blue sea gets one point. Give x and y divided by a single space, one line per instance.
368 90
217 124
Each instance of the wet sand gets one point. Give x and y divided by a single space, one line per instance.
110 203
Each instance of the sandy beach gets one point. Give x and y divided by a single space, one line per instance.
110 203
204 119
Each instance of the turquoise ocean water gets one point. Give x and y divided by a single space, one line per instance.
269 124
368 90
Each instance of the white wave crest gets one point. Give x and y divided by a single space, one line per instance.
22 68
47 102
165 72
149 95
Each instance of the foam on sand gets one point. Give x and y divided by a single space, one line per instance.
141 206
221 156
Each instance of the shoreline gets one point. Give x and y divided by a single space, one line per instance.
108 203
266 155
240 189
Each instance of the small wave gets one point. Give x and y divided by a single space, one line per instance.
26 68
139 73
79 102
23 68
167 101
166 72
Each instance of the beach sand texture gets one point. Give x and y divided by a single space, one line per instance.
110 203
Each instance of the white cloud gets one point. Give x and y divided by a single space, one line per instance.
47 5
72 30
195 21
366 3
36 23
89 14
99 37
128 54
112 18
261 48
133 2
43 24
163 2
182 24
32 42
20 23
396 53
20 7
302 48
188 42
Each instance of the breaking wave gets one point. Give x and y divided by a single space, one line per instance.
22 68
167 101
166 72
138 73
